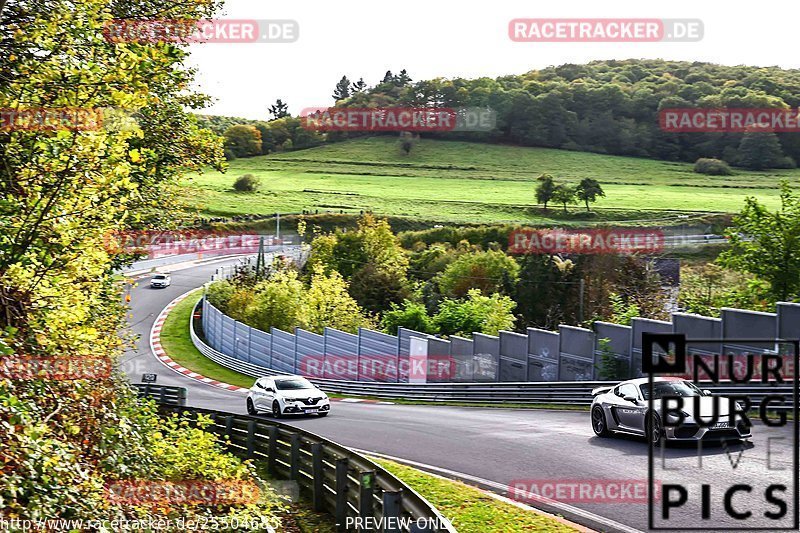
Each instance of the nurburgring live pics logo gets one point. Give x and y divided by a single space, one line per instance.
667 356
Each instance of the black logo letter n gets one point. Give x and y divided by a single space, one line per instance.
663 365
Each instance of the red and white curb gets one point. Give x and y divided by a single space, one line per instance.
161 355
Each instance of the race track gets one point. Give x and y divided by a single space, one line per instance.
502 445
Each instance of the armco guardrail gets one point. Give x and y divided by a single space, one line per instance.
161 393
337 479
568 393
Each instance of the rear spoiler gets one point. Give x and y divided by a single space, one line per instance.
601 390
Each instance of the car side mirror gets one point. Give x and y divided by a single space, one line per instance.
706 392
631 399
269 389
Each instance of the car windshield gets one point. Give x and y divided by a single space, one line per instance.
670 388
293 384
160 276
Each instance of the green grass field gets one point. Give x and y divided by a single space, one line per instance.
470 182
470 509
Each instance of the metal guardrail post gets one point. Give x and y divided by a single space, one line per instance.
272 455
251 438
318 490
366 488
294 457
162 396
392 505
181 396
229 429
342 466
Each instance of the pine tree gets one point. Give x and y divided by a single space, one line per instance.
359 87
342 90
279 110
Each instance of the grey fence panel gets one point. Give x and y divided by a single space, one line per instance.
698 327
377 356
576 353
618 344
227 334
788 320
260 348
639 326
241 341
403 342
210 317
737 323
439 368
341 355
283 345
461 353
542 355
513 356
486 357
310 353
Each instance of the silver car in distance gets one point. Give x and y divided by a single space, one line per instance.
625 409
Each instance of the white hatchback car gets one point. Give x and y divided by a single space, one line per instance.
285 395
160 280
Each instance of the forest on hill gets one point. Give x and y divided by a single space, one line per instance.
608 107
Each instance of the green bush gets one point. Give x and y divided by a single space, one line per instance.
712 167
247 183
484 314
410 316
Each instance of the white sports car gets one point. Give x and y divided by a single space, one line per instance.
625 409
280 395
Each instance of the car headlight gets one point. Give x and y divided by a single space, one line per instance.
739 406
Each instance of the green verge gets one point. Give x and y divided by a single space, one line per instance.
178 345
470 509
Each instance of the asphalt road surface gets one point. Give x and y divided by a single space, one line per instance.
498 447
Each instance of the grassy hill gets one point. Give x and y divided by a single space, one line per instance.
469 182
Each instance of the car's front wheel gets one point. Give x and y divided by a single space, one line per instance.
599 424
276 409
251 409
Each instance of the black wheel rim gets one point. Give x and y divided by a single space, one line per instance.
250 408
655 429
598 421
276 410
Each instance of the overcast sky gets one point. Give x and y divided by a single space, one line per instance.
448 38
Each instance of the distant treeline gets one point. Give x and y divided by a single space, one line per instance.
608 107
